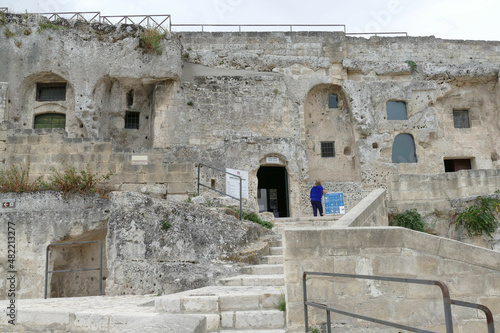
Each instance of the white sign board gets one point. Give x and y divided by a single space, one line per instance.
272 160
233 183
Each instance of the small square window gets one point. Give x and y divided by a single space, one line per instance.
333 101
396 110
461 118
50 92
132 120
328 149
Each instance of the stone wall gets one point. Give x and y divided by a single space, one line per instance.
470 272
436 192
233 99
141 170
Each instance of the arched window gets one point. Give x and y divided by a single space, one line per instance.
396 110
403 149
50 120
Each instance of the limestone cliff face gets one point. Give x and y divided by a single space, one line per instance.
139 256
190 253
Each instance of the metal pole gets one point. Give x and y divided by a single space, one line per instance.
100 268
304 289
328 321
46 270
199 165
447 306
241 198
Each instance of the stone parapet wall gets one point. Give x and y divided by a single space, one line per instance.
142 170
470 272
369 212
436 192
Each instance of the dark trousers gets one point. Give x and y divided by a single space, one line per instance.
317 206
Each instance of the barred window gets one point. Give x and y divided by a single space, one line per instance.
132 120
50 120
328 149
461 118
50 92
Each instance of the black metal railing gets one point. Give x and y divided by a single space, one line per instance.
279 27
147 21
4 9
47 272
447 302
88 17
200 165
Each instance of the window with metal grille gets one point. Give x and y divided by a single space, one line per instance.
50 92
50 120
328 149
461 118
132 120
333 102
396 110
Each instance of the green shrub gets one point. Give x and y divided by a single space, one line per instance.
254 217
42 26
150 41
165 225
17 180
410 219
72 181
480 218
7 33
413 65
281 303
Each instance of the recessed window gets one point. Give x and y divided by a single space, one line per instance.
50 92
328 149
132 120
333 101
396 110
50 120
454 165
130 98
461 118
403 149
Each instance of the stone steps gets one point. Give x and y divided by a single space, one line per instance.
264 269
254 280
246 303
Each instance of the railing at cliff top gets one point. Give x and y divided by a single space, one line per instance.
164 22
161 21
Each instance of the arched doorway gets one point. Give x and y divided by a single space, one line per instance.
272 190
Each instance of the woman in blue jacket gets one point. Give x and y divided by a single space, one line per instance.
316 194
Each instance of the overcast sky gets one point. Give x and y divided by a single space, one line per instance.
451 19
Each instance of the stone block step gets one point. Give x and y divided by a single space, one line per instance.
254 331
273 259
264 269
276 251
261 319
254 280
215 299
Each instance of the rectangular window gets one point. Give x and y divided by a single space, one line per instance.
461 118
333 102
396 110
132 120
50 120
328 149
457 165
50 92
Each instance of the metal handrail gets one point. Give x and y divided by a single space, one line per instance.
74 16
290 26
152 21
4 9
377 33
72 270
447 302
224 193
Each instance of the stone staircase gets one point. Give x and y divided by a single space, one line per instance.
246 303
